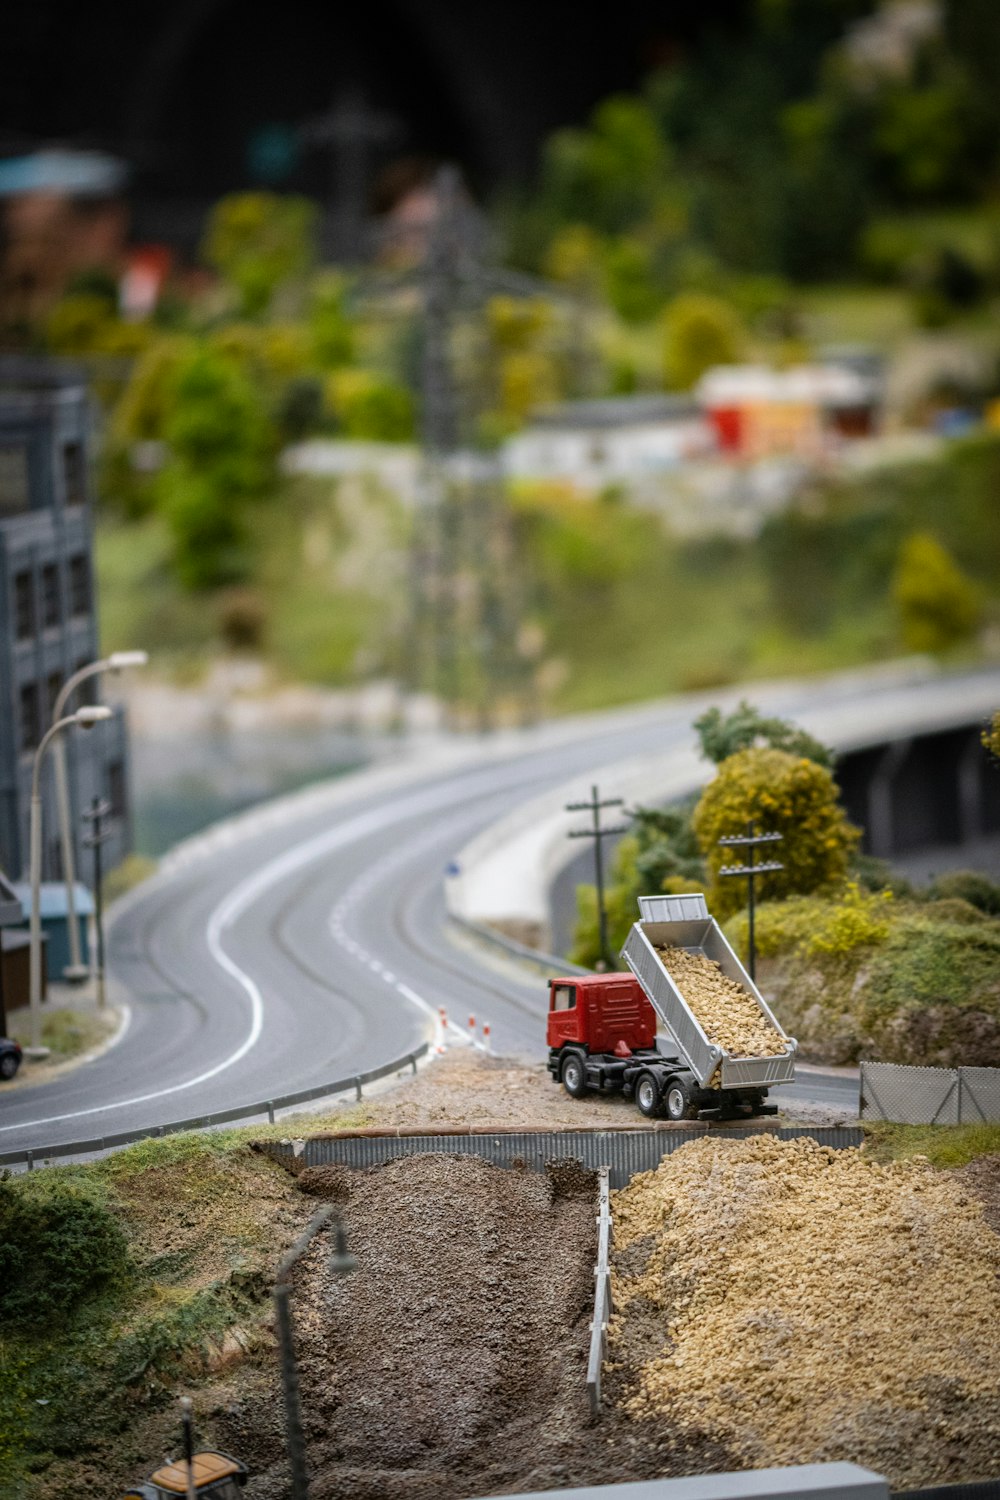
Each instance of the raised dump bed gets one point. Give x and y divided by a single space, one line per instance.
683 922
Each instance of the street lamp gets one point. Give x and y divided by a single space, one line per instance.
84 717
341 1263
116 662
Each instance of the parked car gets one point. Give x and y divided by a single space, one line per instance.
10 1058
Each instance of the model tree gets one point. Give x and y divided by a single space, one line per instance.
782 793
938 606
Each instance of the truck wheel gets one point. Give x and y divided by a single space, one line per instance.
647 1095
574 1075
677 1100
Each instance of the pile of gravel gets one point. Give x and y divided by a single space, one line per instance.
453 1361
803 1304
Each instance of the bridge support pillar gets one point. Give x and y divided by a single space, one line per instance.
881 821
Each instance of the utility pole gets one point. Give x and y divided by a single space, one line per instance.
349 130
597 833
751 840
97 836
462 616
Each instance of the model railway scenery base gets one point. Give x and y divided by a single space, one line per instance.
755 1313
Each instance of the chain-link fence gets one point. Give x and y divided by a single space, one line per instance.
929 1096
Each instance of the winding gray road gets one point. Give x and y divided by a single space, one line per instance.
312 944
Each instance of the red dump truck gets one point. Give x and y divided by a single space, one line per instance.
602 1028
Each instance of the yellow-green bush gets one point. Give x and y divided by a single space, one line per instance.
812 925
784 794
938 606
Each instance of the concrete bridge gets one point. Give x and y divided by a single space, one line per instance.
927 799
911 764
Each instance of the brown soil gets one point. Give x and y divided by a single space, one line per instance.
453 1362
982 1178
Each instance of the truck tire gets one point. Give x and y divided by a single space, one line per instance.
647 1095
574 1075
677 1100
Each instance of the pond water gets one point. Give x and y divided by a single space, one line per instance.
180 786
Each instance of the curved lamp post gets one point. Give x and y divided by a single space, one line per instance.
84 717
116 662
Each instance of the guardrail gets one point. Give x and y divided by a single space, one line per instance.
218 1117
602 1297
547 961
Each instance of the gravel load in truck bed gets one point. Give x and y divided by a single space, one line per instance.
803 1304
727 1014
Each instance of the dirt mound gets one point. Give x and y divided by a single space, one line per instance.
459 1344
453 1362
982 1177
808 1305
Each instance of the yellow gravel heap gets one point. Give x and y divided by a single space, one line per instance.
727 1014
801 1304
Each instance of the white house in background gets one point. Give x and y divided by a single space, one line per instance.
394 465
627 440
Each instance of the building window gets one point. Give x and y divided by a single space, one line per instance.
53 687
75 470
79 585
15 489
24 605
29 716
50 595
116 788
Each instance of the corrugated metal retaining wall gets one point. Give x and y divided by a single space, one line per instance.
624 1152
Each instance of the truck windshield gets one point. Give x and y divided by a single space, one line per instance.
563 996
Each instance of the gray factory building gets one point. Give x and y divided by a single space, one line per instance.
48 624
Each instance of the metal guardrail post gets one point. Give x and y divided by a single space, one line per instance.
602 1294
100 1143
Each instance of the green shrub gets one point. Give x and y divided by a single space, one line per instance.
930 962
721 735
927 992
991 736
59 1243
967 885
698 332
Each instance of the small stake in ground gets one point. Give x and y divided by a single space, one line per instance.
597 833
750 841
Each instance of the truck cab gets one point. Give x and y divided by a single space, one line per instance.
602 1037
600 1012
